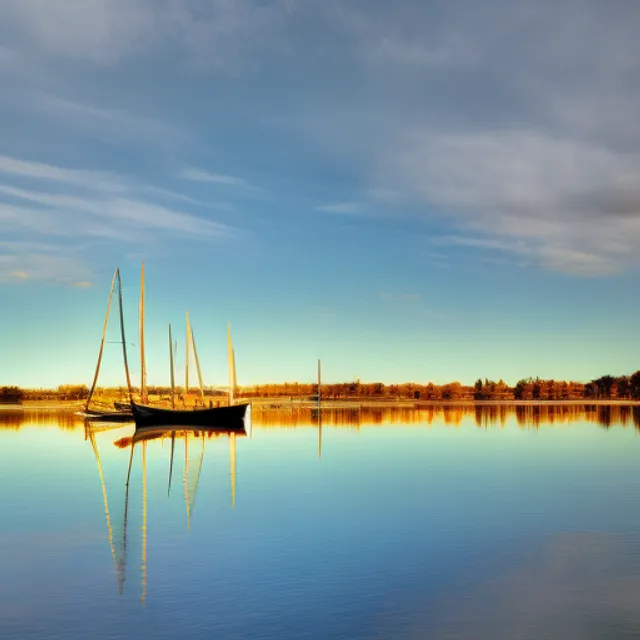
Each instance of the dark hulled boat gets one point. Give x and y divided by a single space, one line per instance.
231 418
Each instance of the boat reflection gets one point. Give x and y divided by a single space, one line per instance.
194 441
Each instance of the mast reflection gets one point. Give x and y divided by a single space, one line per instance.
191 480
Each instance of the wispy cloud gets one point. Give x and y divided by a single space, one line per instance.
529 194
217 32
120 213
461 113
24 262
82 204
109 123
199 175
43 171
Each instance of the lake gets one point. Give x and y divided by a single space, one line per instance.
459 522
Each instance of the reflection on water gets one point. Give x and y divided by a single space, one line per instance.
485 415
460 521
194 443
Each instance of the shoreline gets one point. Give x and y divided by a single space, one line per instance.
355 403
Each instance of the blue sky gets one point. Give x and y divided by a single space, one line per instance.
409 191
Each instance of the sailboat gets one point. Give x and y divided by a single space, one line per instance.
122 412
231 416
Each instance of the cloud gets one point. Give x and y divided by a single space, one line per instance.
24 262
70 205
116 215
83 284
347 208
510 124
105 32
198 175
43 171
109 123
529 194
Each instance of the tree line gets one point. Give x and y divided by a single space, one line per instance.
604 388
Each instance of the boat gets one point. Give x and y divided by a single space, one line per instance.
121 411
231 417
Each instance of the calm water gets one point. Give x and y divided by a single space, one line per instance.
464 523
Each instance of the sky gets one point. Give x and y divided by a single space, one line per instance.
412 191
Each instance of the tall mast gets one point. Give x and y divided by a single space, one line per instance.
173 377
143 366
104 333
195 356
186 358
232 365
319 380
124 341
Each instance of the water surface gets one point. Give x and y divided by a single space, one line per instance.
466 522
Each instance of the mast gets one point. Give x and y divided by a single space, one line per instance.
173 378
143 366
104 333
319 380
124 341
232 365
195 355
186 359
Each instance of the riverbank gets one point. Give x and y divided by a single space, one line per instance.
352 403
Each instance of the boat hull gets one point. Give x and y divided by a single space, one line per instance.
230 418
107 416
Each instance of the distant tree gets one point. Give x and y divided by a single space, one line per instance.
478 393
634 385
537 388
10 395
